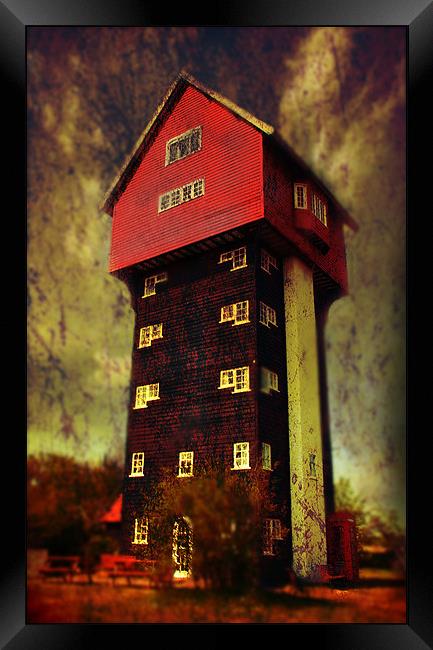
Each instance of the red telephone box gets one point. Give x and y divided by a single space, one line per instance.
342 546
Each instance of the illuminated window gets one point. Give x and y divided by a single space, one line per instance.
183 145
149 334
271 532
151 282
182 547
313 468
141 530
238 258
319 209
269 381
266 456
236 378
300 196
241 455
267 315
137 466
266 261
180 195
238 312
145 394
186 460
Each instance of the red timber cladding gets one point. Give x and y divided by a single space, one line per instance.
279 177
192 414
230 161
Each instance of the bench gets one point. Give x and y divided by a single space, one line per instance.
61 566
131 568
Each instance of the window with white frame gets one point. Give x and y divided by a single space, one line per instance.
236 378
267 315
238 312
186 461
141 530
183 145
151 282
300 196
269 381
266 261
241 455
145 394
271 532
180 195
149 334
237 257
137 464
312 466
266 456
318 208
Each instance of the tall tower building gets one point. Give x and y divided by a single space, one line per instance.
232 250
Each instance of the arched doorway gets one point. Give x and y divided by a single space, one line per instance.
182 547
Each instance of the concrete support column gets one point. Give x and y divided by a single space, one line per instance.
306 456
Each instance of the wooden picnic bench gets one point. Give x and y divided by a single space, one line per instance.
131 568
61 566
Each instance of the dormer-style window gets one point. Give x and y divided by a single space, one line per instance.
318 208
267 315
151 282
141 531
180 195
183 145
269 381
145 394
241 455
266 456
237 312
300 196
186 461
236 378
137 465
149 334
238 258
266 261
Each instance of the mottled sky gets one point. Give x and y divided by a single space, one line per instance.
336 95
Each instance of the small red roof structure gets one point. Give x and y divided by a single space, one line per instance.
114 514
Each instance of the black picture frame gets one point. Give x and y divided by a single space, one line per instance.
15 16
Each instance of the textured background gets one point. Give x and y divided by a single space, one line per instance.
337 95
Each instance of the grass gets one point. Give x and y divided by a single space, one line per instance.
377 601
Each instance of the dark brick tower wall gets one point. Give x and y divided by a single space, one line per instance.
192 413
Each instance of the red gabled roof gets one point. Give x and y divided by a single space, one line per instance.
183 80
114 514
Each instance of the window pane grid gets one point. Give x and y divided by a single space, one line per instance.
300 196
137 466
141 530
146 394
181 195
186 459
266 456
266 261
267 315
151 282
238 258
183 145
236 378
237 312
149 334
241 455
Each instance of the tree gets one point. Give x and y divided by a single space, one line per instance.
65 500
225 511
